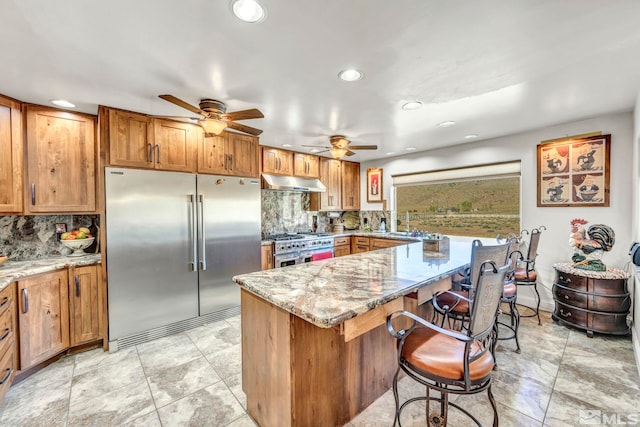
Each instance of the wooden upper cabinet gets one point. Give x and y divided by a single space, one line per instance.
331 177
275 161
61 161
175 145
130 136
306 165
43 317
350 186
229 154
11 155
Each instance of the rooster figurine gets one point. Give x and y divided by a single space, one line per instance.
590 244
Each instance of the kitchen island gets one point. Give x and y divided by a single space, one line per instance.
315 348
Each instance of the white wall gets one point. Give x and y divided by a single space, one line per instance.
554 243
635 223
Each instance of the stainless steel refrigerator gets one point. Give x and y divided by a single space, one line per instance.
174 241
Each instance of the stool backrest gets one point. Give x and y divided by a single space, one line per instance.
481 253
488 291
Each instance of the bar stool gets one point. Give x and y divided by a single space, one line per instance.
510 293
454 304
450 361
526 275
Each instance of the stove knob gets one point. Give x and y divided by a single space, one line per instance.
288 246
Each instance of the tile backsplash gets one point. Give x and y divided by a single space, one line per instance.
29 237
288 212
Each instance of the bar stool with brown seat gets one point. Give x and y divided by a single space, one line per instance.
449 361
452 305
526 275
510 293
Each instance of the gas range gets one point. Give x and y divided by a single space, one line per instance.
300 242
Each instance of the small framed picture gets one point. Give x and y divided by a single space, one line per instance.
374 185
61 228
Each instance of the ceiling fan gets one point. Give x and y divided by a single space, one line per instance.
340 147
215 117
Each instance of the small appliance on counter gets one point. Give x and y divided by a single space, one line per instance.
383 225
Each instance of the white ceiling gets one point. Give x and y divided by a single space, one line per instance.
495 67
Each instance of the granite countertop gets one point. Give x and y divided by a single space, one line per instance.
14 270
328 292
359 233
610 273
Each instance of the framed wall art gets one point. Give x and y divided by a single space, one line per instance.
374 185
574 172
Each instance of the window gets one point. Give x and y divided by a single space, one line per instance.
481 201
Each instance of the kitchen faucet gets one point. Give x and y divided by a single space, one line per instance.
407 221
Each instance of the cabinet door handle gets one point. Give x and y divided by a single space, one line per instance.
150 153
4 336
158 150
33 194
7 375
77 286
25 300
565 314
231 162
5 300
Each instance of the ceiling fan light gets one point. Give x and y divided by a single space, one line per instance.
213 126
338 153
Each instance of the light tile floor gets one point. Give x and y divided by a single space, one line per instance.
194 379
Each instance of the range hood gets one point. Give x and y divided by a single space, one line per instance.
292 183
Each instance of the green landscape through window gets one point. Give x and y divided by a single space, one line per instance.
480 207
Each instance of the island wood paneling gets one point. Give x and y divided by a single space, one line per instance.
266 361
297 374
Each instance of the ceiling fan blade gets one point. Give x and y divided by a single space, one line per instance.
349 153
180 103
244 128
362 147
177 117
316 146
253 113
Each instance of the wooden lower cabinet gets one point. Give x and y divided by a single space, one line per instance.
267 257
386 243
85 302
360 244
341 246
8 327
43 316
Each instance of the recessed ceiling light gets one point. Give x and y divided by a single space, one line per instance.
412 105
287 145
410 148
62 103
248 11
350 75
390 153
447 124
471 136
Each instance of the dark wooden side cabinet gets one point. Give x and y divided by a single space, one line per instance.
596 301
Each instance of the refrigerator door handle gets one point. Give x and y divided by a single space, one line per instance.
194 237
203 237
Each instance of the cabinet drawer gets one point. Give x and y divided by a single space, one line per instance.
7 318
593 321
340 241
570 296
361 241
573 315
571 281
613 287
7 370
